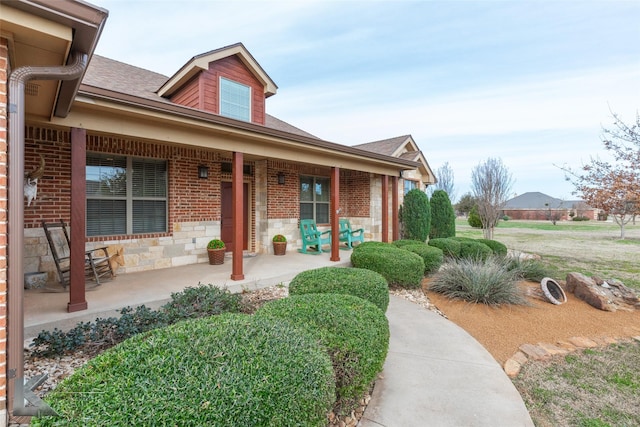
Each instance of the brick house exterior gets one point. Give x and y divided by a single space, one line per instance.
180 124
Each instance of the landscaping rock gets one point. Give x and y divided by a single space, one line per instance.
607 295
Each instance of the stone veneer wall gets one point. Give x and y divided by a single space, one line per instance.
186 245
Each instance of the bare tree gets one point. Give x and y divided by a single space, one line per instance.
613 187
444 176
491 183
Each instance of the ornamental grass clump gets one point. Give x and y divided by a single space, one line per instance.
359 282
354 332
488 282
231 370
529 269
399 267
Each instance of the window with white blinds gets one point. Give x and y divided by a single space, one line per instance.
235 100
125 195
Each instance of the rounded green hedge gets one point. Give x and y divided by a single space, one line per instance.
230 369
498 248
431 256
399 267
358 282
474 250
405 242
354 331
449 246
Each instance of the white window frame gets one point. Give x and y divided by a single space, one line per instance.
222 101
129 198
315 202
414 185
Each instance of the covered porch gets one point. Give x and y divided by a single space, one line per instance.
47 308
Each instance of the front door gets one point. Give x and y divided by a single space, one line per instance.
227 216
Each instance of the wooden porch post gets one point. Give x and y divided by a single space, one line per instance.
238 215
385 208
335 206
77 297
395 232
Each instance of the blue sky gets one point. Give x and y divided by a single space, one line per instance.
530 82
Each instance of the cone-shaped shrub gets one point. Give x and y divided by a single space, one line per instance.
359 282
443 217
354 331
474 218
230 369
416 215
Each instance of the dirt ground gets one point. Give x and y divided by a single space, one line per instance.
501 330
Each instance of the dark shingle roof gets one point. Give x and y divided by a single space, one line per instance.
535 200
127 79
384 146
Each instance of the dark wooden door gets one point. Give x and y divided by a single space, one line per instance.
227 216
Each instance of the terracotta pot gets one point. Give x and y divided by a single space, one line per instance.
279 248
216 256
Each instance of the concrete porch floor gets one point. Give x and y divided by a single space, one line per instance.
47 308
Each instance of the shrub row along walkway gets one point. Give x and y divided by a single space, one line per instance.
436 374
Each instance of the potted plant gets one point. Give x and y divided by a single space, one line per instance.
279 244
216 250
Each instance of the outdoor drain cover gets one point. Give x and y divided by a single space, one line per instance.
553 291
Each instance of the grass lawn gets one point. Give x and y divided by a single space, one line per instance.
588 247
592 388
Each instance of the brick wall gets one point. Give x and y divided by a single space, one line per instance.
354 193
283 199
4 74
194 204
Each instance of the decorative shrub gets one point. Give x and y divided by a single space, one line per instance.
100 333
499 249
443 217
489 282
231 369
580 218
201 301
354 331
416 215
215 244
529 269
431 256
450 247
473 249
279 238
405 242
399 267
474 218
358 282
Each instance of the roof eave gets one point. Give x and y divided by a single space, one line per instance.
186 112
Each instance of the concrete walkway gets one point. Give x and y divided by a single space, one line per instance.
436 374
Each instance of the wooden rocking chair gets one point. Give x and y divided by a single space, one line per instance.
96 261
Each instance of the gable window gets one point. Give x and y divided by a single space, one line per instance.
314 199
125 195
235 100
409 185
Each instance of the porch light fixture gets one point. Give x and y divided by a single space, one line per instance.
281 178
203 172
